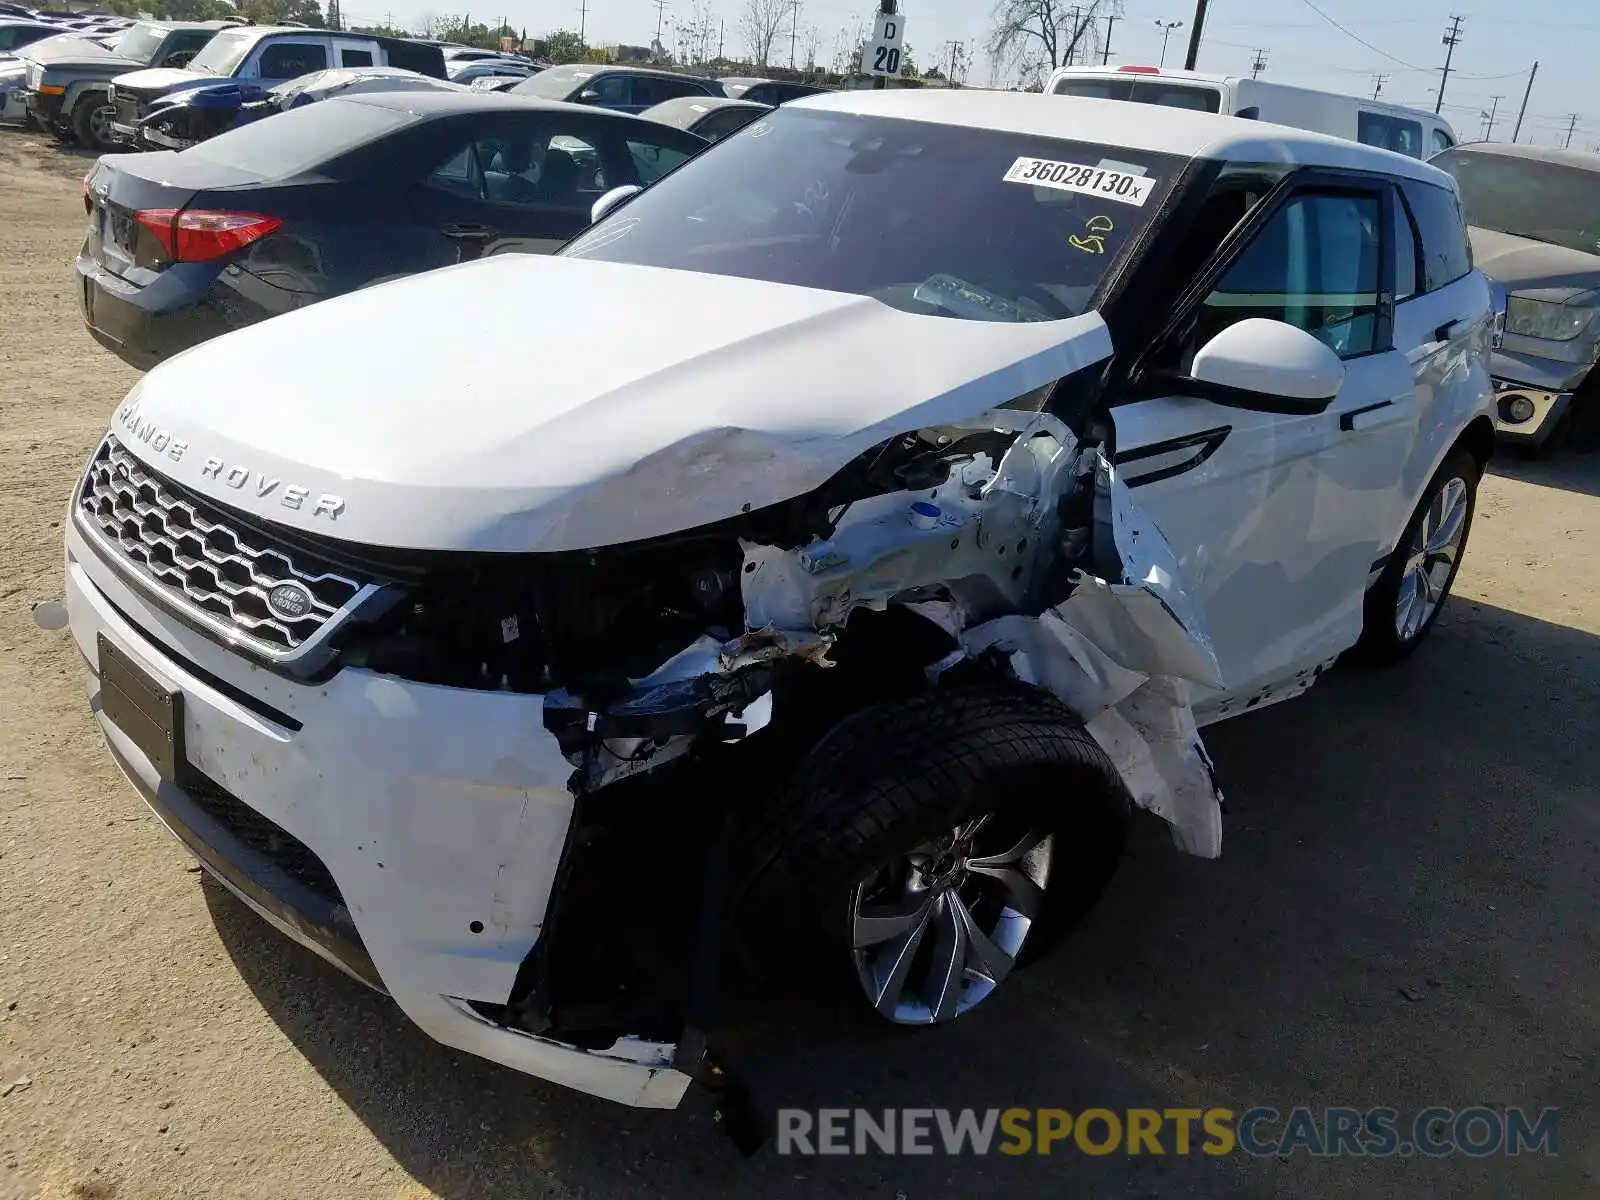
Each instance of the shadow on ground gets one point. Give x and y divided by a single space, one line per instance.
1570 471
1403 916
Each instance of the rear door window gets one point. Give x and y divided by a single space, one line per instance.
1446 253
351 57
1441 142
290 60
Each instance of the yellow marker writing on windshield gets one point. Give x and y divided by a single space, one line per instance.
1094 241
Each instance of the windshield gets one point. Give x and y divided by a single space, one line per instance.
1549 202
140 42
937 219
1142 91
223 53
553 83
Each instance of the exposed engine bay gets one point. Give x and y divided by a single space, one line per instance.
1000 546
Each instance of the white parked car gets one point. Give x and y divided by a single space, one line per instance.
902 483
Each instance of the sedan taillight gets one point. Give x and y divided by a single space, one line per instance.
203 235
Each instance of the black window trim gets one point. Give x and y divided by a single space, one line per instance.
1148 381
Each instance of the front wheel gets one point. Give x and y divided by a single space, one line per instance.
1403 605
91 123
928 846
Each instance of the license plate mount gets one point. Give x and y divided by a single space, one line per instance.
149 713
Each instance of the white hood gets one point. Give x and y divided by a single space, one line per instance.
524 403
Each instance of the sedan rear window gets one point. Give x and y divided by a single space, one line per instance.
935 219
295 141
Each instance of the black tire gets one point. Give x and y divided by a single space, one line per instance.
83 123
1381 642
890 777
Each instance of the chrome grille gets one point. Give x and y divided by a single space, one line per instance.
204 560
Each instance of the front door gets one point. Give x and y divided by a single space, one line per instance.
1276 517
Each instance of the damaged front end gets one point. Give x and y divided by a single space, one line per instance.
682 675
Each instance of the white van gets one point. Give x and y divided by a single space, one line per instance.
1411 131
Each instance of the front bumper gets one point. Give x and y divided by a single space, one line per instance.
1547 408
43 107
409 833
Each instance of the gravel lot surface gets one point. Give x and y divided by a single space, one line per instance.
1404 915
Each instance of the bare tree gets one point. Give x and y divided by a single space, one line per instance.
810 37
759 23
697 36
1034 37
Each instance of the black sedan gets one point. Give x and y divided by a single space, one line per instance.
322 200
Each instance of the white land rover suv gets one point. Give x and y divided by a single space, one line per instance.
900 485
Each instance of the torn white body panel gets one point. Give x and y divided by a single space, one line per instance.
1129 657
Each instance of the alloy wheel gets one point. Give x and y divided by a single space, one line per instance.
1431 558
934 933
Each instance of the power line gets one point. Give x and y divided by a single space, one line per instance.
1357 37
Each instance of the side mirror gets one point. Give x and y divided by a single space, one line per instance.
1271 358
612 200
588 96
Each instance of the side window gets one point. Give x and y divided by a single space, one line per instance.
526 167
1441 142
1390 133
459 175
1446 253
611 91
1407 252
721 124
1315 265
652 161
290 60
351 57
670 89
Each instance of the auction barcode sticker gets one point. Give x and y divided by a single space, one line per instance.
1121 186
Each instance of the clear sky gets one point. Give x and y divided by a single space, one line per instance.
1499 43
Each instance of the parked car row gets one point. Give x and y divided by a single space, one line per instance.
822 563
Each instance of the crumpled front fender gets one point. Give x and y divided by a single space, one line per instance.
1129 658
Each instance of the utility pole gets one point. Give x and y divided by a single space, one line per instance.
887 8
1195 35
722 28
1523 111
1259 65
1572 125
1488 117
1105 57
1451 39
954 46
794 30
1377 85
661 12
583 17
1166 28
1074 24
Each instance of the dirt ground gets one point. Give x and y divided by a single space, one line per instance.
1404 915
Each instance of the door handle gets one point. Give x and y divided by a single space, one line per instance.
469 233
1365 417
1450 331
